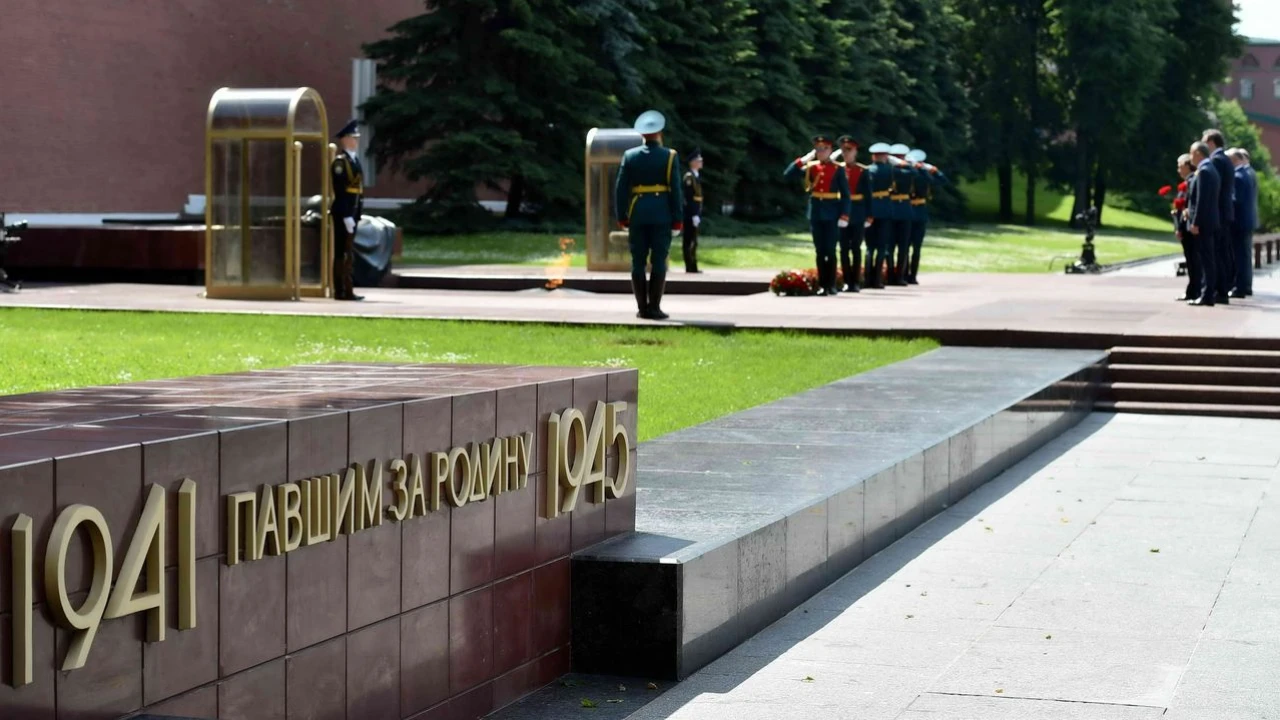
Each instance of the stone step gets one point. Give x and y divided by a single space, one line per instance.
1194 356
1188 394
1266 412
1193 375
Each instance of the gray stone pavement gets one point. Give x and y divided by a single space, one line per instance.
1128 570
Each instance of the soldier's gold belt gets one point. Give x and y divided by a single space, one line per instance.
646 189
880 194
697 198
919 201
826 196
859 196
899 198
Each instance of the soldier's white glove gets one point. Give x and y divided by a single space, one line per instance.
350 223
843 223
867 224
811 156
697 220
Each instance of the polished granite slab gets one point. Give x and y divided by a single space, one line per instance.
740 519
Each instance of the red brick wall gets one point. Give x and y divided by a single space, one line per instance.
105 100
1264 71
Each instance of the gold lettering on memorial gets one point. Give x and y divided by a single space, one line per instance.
146 549
417 493
289 516
343 502
23 553
266 539
400 489
187 554
370 487
84 619
241 512
576 456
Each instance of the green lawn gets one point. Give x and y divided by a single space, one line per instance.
1052 207
971 248
687 375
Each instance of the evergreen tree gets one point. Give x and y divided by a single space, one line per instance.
494 92
695 62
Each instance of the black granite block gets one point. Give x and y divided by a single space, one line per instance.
626 618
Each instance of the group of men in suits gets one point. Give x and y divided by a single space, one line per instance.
1214 215
884 205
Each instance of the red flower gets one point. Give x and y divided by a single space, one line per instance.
1165 190
1182 186
1179 203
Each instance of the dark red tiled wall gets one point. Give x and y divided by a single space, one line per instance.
450 615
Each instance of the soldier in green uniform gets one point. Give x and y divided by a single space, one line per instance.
880 190
348 203
927 178
649 204
904 179
852 236
692 212
828 189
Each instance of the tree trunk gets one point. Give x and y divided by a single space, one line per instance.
515 197
1082 179
1004 170
1100 191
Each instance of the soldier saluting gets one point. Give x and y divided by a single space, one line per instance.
650 205
904 181
348 204
880 232
828 189
859 208
928 177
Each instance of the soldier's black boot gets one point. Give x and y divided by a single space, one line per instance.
657 283
641 290
915 268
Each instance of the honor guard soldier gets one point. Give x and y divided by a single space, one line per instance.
927 178
859 208
692 211
828 189
650 206
348 203
880 189
904 180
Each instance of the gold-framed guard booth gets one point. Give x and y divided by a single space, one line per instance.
606 246
266 150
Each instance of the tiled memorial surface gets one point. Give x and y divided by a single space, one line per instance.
744 517
420 605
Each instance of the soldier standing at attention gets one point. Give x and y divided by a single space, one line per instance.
692 211
851 237
904 180
927 178
828 189
650 205
880 190
348 204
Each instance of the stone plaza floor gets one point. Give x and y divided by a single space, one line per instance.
1129 570
951 306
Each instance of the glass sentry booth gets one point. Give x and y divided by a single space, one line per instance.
265 151
606 245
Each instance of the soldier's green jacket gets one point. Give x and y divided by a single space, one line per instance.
880 187
904 180
648 190
925 183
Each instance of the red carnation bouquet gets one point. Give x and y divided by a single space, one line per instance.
799 283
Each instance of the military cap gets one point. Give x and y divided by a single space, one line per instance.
650 122
880 148
695 155
899 149
351 129
846 139
917 155
821 139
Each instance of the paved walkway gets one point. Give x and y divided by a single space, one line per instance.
1130 570
1115 305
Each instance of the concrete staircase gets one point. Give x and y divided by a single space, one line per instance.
1182 381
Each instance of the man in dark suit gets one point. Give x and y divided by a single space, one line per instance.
1225 256
1204 220
1246 210
1190 251
348 204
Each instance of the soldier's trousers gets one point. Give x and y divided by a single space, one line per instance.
826 236
1225 257
343 259
689 245
898 254
851 251
877 242
917 244
650 245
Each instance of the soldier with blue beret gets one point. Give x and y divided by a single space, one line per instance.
927 178
880 190
348 205
649 202
829 206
